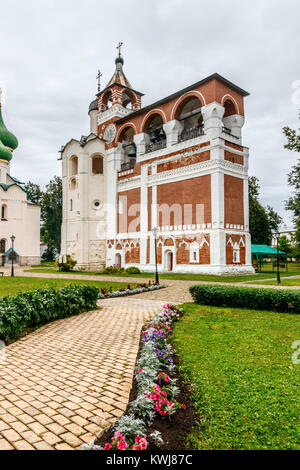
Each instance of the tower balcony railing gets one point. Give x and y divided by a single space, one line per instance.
191 133
228 131
155 146
128 165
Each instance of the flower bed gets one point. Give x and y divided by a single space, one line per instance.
156 391
108 293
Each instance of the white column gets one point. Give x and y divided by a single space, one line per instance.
212 118
144 215
172 130
154 223
93 122
83 169
217 238
140 141
235 123
246 204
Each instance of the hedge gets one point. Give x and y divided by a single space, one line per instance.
244 297
32 309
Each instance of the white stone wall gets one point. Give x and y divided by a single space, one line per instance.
84 220
23 221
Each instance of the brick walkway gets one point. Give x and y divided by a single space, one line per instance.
61 385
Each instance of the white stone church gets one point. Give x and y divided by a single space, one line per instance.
19 218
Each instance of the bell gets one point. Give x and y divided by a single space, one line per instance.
132 150
162 134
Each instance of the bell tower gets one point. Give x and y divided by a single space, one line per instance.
118 99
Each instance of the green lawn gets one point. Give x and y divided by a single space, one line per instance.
18 284
294 269
245 387
284 282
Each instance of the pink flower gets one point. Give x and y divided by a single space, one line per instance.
107 446
140 370
183 406
122 445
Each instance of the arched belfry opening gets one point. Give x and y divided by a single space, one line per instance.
153 127
190 115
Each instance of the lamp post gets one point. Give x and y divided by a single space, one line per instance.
277 235
155 232
12 255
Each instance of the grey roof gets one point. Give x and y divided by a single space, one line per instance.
215 76
94 105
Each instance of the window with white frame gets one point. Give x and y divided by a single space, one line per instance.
236 253
194 252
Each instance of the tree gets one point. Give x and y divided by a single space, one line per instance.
261 221
34 193
293 203
51 213
50 201
285 245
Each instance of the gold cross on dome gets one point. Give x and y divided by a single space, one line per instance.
119 47
99 80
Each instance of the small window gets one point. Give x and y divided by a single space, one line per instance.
236 253
194 253
4 212
71 205
97 166
73 184
73 165
2 246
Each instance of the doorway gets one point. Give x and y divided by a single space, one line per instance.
169 260
118 260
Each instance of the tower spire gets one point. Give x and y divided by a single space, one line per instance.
119 48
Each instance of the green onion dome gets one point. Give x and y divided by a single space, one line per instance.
6 137
5 154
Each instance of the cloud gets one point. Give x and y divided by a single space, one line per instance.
50 52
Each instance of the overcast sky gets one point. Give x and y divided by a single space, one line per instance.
50 51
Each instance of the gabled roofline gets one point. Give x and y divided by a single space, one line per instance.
121 86
214 76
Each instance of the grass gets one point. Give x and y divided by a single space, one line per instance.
245 387
294 269
18 284
284 282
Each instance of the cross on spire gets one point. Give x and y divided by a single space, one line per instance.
99 80
119 47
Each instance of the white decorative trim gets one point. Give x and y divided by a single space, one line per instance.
148 114
235 102
115 110
180 99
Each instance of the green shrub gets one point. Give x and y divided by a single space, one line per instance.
112 269
132 270
66 266
32 309
246 297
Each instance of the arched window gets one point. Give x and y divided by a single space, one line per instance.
236 253
229 111
154 129
128 148
97 165
2 246
73 165
73 184
128 98
4 212
106 101
189 114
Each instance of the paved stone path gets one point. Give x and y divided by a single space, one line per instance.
64 383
